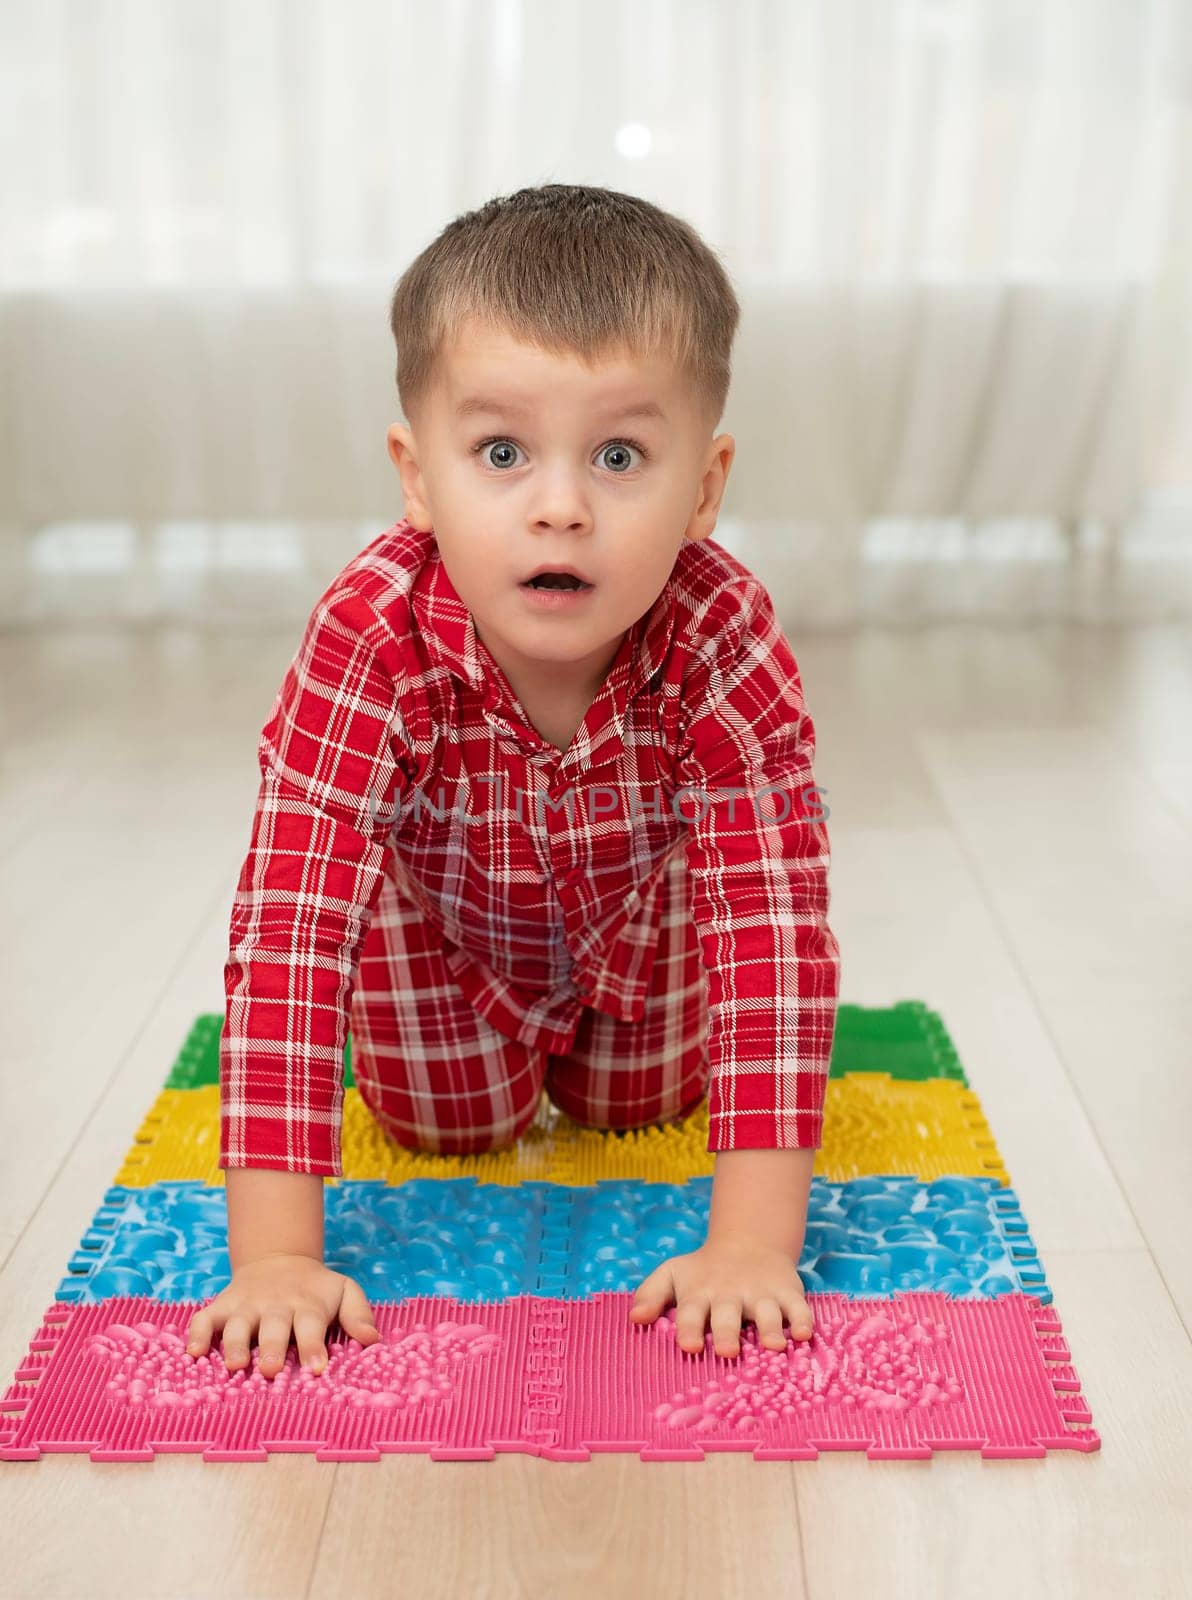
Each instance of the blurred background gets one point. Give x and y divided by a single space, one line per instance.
961 232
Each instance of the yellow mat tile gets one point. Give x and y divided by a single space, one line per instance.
873 1125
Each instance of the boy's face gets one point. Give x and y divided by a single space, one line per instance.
554 472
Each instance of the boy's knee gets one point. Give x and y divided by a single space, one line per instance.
665 1110
471 1141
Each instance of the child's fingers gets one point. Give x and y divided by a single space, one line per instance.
726 1326
273 1340
798 1314
237 1335
310 1329
198 1335
691 1319
654 1293
205 1324
767 1316
355 1314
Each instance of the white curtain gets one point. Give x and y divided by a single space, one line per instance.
961 232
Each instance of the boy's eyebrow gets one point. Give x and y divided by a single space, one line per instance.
480 403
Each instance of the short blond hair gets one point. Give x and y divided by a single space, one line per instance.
575 269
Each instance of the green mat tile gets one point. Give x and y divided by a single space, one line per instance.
907 1040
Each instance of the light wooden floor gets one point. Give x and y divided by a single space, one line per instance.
1011 815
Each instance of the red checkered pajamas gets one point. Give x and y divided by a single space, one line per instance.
437 1076
487 911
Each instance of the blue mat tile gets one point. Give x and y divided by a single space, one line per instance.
873 1236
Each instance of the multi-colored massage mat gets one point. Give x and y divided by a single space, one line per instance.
501 1285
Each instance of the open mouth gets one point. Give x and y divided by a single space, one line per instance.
556 580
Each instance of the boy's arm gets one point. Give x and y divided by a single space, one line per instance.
273 1213
758 859
757 854
330 776
762 1195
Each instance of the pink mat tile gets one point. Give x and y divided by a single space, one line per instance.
896 1378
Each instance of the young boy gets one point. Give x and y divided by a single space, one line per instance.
537 805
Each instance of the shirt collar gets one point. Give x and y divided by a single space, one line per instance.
446 628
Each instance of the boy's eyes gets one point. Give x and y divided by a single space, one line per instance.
621 445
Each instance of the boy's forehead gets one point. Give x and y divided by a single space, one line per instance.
487 369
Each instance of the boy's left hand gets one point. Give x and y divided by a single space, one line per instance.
733 1277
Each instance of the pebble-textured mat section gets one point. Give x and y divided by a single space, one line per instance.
434 1236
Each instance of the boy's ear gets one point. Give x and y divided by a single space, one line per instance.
402 452
702 523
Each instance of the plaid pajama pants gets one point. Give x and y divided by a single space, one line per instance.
437 1076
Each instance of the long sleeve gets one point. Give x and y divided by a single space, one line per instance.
330 780
758 862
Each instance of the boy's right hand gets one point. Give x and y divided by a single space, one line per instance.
274 1292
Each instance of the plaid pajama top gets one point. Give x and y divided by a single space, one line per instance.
396 745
